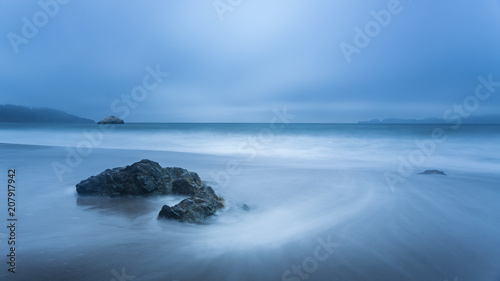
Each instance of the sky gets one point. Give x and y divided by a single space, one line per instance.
238 60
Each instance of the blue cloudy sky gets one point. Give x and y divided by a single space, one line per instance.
234 61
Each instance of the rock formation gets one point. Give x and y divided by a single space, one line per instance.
148 178
432 172
111 120
196 209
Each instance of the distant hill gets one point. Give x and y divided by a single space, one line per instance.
16 113
480 119
403 121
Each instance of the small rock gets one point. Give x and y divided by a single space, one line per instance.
432 172
194 209
111 120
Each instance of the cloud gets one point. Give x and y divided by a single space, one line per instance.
263 55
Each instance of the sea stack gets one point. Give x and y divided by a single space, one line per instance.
433 172
111 120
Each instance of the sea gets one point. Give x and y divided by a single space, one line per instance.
302 202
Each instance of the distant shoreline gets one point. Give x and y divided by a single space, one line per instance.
22 114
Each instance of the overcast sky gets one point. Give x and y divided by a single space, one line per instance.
234 61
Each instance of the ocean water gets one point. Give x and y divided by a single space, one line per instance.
325 202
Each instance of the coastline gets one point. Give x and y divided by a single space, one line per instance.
326 193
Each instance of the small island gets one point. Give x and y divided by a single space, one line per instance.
111 120
433 172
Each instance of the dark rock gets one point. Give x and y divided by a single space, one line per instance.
111 120
145 178
183 187
141 178
194 209
169 213
202 204
432 172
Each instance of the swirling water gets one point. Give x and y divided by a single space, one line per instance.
325 202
